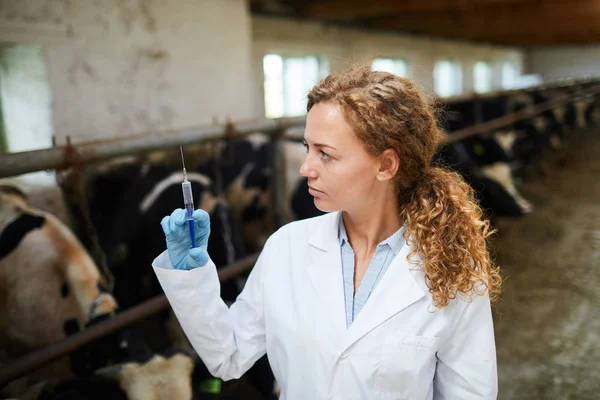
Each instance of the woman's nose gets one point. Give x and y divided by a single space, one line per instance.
306 168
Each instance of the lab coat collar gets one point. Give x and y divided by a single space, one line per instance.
396 290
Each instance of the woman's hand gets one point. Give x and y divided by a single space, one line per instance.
177 234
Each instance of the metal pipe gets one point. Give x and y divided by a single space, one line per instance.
511 118
38 358
13 164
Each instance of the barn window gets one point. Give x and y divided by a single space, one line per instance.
482 77
396 66
447 78
25 103
510 75
287 82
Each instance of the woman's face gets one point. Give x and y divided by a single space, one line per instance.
342 175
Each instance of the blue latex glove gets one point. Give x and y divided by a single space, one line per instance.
179 244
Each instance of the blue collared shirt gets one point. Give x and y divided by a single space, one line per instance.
384 254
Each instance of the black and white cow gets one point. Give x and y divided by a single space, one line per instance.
127 199
492 183
247 184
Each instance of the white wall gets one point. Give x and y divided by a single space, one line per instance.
133 66
128 67
564 62
343 46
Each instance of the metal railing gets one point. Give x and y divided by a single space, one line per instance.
12 164
516 116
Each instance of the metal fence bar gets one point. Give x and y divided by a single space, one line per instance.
13 164
38 358
551 85
511 118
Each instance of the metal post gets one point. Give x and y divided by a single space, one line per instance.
478 110
278 182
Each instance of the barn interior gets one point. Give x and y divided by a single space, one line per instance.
96 98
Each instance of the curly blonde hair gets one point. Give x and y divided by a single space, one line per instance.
445 224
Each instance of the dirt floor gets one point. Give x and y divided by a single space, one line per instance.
547 322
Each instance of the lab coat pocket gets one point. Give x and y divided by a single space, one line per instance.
407 366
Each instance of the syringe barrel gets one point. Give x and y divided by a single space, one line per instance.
188 199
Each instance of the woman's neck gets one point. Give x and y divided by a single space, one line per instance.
372 224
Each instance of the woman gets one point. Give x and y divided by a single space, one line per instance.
387 295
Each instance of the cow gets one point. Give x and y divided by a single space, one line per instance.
246 178
127 198
171 375
486 158
49 285
492 183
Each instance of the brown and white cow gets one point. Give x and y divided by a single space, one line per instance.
49 285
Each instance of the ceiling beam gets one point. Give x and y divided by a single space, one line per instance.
344 10
501 22
347 10
547 40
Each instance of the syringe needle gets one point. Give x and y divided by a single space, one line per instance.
182 160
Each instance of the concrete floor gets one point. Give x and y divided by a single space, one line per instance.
547 322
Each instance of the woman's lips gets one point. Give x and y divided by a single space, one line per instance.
314 192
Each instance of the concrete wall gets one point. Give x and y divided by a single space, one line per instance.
563 62
342 46
121 67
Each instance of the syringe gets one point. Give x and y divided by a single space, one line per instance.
188 201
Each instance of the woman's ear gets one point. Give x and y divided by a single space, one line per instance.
389 163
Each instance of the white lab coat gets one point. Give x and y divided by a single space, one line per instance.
292 307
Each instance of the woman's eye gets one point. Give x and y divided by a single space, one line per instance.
324 156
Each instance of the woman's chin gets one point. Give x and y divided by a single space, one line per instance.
324 206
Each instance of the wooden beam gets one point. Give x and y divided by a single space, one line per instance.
545 40
344 10
478 24
347 10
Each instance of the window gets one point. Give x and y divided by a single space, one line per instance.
447 78
482 77
510 75
394 66
287 82
25 101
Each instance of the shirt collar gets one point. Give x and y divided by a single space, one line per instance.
395 241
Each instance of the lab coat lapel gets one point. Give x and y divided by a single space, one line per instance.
396 290
325 270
